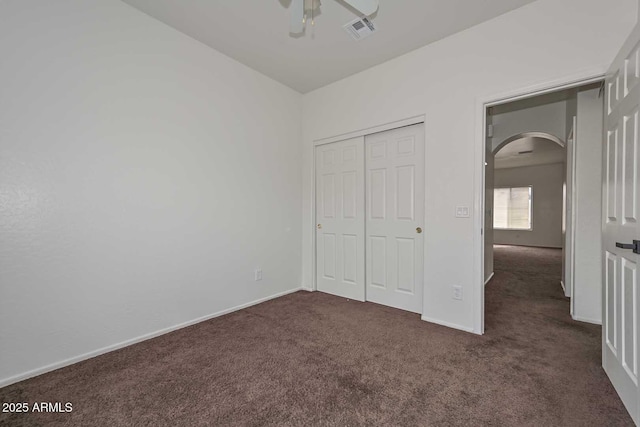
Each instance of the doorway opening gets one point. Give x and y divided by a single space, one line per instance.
542 200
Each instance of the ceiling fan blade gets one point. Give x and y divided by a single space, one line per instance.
366 7
296 10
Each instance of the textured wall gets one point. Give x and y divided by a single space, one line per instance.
143 178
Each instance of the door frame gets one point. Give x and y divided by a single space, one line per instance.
582 78
413 120
570 287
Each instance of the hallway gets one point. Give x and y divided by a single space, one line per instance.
527 311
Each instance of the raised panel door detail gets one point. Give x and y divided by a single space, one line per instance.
612 175
350 258
405 192
610 301
328 157
328 196
613 94
629 318
630 168
378 150
406 146
349 195
406 265
349 154
378 193
631 71
329 270
378 267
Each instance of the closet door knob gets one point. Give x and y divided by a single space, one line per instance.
418 230
319 226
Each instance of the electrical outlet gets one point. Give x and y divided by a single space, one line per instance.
258 274
457 292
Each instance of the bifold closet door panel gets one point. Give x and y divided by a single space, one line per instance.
340 218
394 214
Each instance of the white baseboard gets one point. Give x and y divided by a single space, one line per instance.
70 361
448 325
584 319
489 278
563 287
307 289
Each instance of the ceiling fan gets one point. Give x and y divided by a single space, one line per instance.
304 10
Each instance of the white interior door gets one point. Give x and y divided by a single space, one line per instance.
621 225
395 211
340 218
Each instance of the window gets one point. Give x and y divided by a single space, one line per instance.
512 208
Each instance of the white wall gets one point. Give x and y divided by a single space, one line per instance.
143 177
549 118
546 181
539 43
587 282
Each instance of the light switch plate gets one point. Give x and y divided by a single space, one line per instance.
462 212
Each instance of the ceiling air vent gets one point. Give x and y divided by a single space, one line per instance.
360 28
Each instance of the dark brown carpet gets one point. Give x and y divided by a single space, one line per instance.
315 359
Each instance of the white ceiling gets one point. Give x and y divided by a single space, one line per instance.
544 152
256 33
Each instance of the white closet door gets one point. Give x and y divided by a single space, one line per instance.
395 211
340 218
